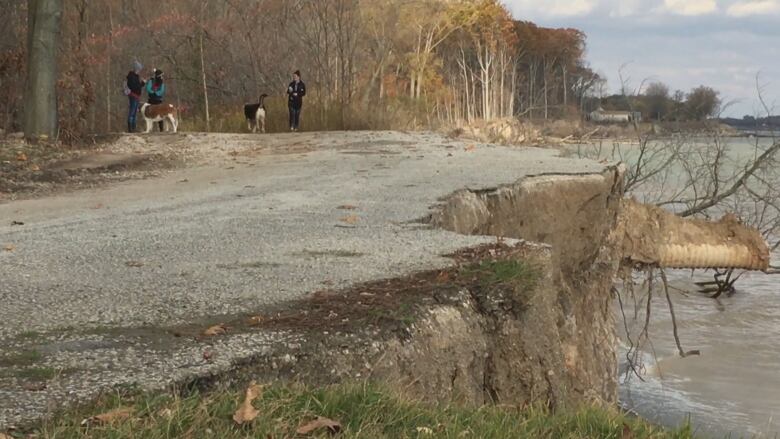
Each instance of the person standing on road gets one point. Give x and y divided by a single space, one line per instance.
134 87
155 89
295 93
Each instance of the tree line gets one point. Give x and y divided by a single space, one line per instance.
656 102
368 64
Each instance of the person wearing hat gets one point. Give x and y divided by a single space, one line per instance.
134 87
155 90
295 93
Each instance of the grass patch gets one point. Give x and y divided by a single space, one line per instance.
38 373
30 335
363 411
507 271
20 359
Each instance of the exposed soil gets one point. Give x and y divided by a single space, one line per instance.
39 169
649 229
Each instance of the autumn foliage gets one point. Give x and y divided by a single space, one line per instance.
367 64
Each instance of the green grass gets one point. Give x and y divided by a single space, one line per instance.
30 335
38 373
509 272
363 411
22 358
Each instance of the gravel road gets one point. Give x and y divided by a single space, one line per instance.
253 223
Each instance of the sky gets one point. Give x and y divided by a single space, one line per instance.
730 45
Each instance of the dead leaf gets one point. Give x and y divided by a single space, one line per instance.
21 157
347 207
470 148
352 219
256 320
215 330
120 414
246 412
166 413
9 247
627 433
318 424
35 168
135 264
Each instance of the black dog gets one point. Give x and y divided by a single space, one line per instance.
255 115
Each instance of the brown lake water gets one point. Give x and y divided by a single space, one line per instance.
733 387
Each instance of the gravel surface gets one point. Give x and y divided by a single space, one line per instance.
251 222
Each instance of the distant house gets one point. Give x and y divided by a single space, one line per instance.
614 116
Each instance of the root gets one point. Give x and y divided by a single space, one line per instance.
682 351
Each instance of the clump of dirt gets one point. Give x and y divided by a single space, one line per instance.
651 233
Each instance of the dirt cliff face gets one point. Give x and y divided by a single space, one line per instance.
518 322
577 216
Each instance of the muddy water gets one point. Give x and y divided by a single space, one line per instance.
733 387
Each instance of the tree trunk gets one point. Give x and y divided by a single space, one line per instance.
203 71
531 82
382 82
565 90
108 66
544 81
43 33
511 109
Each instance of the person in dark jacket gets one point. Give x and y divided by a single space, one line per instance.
134 87
295 92
155 89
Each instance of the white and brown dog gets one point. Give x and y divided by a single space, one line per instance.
255 115
159 113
